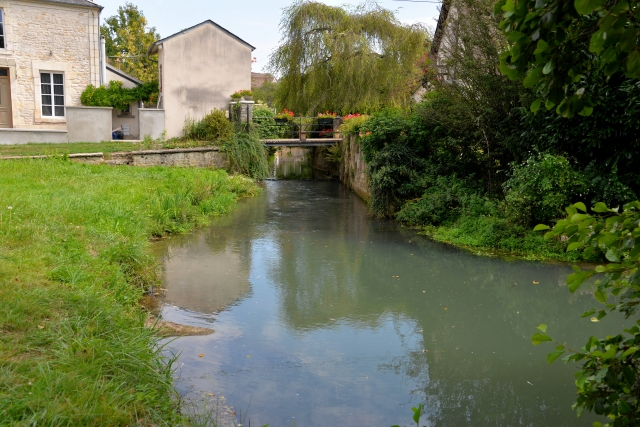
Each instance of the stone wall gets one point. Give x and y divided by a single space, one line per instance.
353 169
42 36
209 157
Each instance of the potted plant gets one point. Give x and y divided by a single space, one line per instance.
236 96
284 117
247 94
324 124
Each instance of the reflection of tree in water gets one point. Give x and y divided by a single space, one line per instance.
479 354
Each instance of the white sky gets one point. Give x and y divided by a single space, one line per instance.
255 21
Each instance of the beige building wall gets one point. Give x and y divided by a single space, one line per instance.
199 70
42 36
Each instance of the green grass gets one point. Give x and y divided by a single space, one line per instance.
74 261
39 149
485 235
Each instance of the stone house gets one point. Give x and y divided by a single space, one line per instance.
199 68
49 53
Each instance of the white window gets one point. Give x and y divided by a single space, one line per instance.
2 45
52 90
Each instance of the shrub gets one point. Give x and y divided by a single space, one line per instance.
213 127
352 124
114 95
247 154
265 124
540 188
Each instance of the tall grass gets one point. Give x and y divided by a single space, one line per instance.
247 154
74 262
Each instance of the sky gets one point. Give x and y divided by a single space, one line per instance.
255 21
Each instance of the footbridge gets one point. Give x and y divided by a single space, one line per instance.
299 131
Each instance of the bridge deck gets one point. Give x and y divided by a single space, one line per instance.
296 142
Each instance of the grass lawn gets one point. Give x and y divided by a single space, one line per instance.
74 262
38 149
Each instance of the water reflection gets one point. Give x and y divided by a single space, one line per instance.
349 321
291 163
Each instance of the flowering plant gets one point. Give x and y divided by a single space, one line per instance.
237 94
350 116
352 123
246 92
327 115
285 114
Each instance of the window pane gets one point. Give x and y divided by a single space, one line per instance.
45 78
46 89
59 100
46 99
1 42
57 79
0 15
46 110
59 111
4 72
58 90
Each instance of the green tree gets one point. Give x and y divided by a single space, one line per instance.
346 60
554 43
127 40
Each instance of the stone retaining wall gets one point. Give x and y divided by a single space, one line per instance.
204 157
353 169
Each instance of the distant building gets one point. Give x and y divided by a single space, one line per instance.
258 79
49 53
199 68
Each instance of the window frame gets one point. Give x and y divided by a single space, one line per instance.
52 85
3 31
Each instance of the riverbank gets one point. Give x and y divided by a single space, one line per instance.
74 262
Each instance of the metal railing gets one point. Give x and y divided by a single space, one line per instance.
299 128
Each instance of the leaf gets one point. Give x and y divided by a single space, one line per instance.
542 328
541 227
576 279
633 65
575 245
540 338
533 78
600 208
629 351
535 105
600 296
548 67
551 357
585 7
612 256
580 206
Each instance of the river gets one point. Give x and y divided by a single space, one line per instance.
325 316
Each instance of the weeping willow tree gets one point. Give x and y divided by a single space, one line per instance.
346 60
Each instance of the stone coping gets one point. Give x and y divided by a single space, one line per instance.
121 153
34 130
86 107
171 150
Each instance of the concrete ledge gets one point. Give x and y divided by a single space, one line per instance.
174 150
25 136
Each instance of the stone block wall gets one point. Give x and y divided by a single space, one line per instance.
42 36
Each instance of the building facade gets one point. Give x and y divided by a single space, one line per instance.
199 68
49 53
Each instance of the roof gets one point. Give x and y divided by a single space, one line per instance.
85 3
154 46
440 28
122 74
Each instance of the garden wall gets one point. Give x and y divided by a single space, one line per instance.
353 169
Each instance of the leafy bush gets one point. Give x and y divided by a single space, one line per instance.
265 124
441 203
352 124
116 96
213 127
247 154
540 187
